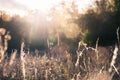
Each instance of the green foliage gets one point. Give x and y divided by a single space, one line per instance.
101 22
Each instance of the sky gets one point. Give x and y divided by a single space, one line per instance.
22 6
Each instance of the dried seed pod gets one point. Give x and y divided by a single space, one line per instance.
2 31
7 37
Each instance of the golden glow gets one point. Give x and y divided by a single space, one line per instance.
6 17
38 4
83 5
21 13
45 5
22 7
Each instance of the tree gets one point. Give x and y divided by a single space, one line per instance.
61 22
101 22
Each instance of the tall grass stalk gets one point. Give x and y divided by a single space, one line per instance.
115 53
12 58
118 36
96 49
23 61
79 53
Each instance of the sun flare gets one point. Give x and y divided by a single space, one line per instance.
22 7
42 5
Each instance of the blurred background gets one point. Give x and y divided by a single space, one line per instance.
39 22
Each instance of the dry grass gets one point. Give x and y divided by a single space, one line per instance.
86 66
49 68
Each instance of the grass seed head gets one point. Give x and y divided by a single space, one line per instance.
2 31
7 37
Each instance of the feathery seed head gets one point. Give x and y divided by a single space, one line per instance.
2 31
7 37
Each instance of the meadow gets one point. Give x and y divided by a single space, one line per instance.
99 63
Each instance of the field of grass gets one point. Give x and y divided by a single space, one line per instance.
100 63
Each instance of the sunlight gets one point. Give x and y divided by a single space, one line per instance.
83 5
42 5
21 13
21 7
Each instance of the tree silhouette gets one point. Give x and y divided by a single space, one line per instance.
101 22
